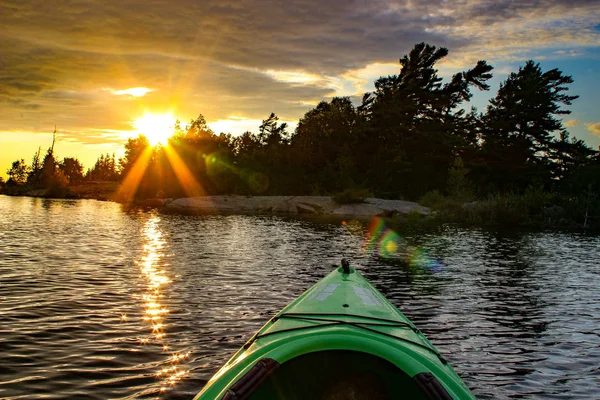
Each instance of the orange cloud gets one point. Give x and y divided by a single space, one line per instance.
135 91
572 123
594 128
199 57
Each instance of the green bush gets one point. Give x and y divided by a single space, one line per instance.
351 196
413 217
458 185
534 208
435 200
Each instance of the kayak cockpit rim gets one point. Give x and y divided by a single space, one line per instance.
328 374
342 320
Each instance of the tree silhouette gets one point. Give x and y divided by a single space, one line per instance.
134 147
72 169
105 169
521 126
34 176
324 144
414 129
413 134
270 134
17 173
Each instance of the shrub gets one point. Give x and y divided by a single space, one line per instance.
350 196
434 199
459 186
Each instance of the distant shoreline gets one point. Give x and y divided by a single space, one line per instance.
506 210
290 205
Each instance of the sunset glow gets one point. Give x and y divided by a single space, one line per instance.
156 127
92 81
135 92
173 172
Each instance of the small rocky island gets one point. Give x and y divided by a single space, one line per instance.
232 204
317 205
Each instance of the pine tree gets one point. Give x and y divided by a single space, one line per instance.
521 125
415 127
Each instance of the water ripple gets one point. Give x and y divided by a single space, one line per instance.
98 301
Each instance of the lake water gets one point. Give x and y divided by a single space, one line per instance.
97 301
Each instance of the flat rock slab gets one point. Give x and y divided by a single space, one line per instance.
398 206
319 205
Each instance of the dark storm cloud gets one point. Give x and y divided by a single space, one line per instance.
261 34
494 12
327 36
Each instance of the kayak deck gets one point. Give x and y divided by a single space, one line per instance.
340 330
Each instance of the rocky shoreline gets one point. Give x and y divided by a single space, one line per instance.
292 205
232 204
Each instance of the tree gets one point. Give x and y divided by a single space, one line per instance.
415 128
105 168
246 145
270 134
49 167
273 155
458 185
35 172
73 169
324 145
574 165
197 130
521 126
134 148
206 156
18 172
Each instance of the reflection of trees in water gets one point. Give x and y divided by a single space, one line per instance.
506 318
509 286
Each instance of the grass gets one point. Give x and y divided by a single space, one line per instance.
534 208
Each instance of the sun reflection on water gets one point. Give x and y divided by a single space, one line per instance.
155 312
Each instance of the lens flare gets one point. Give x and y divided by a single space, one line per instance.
389 244
374 231
189 184
383 242
420 258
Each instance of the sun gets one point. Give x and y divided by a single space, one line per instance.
157 128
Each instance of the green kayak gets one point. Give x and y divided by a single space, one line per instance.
341 339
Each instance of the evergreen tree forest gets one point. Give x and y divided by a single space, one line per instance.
412 138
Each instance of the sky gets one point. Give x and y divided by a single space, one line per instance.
92 68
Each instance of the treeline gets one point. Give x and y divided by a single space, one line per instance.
411 137
408 137
52 172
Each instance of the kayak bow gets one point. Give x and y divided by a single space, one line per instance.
341 339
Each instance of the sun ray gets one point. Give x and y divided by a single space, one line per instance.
129 186
189 184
